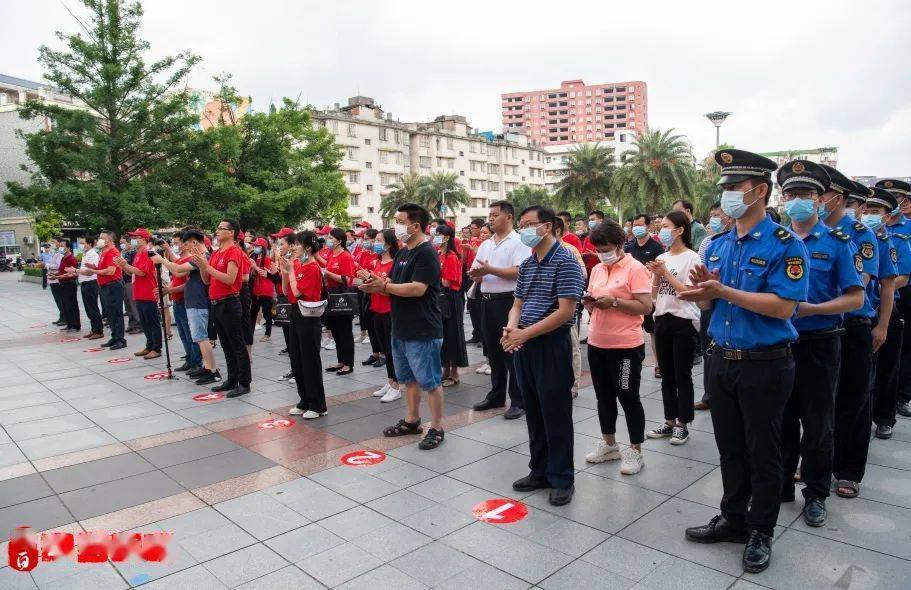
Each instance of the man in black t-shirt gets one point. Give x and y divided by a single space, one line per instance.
644 248
413 287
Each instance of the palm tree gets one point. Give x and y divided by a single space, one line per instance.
526 195
658 170
706 190
441 193
586 185
404 191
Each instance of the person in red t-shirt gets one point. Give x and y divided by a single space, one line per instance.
568 236
174 260
263 286
452 306
339 273
386 246
110 287
223 272
303 282
474 304
364 257
66 275
144 286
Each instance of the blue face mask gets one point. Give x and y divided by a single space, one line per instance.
666 236
378 248
799 209
134 243
896 212
258 249
715 224
592 224
732 203
437 240
873 221
61 250
530 237
639 231
330 244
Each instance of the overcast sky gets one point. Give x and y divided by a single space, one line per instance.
796 74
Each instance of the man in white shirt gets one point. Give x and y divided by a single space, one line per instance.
53 266
88 285
495 271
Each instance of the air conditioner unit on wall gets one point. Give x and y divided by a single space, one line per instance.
29 240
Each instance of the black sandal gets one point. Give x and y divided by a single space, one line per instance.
403 428
347 371
432 440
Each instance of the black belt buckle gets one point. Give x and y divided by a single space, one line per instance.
734 354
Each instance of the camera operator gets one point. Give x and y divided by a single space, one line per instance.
144 284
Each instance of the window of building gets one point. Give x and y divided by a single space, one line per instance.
369 164
369 209
333 126
352 152
366 141
472 147
354 177
493 169
425 141
352 130
369 187
355 200
449 144
450 163
493 187
396 136
383 134
384 156
398 158
424 161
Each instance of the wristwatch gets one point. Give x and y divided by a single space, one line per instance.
615 303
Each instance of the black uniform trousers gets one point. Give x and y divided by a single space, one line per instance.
544 370
112 307
55 293
748 400
89 291
886 372
69 304
495 315
303 350
229 323
903 305
853 406
705 317
811 405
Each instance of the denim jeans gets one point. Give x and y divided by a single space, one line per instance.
194 357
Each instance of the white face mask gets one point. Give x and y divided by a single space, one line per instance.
608 258
401 231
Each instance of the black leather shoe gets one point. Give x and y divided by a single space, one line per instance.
107 344
718 530
514 412
224 387
119 345
184 367
530 484
904 408
883 431
758 552
239 391
561 496
369 360
486 404
814 512
196 372
379 362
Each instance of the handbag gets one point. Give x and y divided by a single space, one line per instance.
341 303
281 315
312 309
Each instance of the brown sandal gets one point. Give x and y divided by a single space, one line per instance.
847 489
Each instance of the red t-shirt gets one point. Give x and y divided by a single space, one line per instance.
67 261
380 303
325 254
177 281
144 286
219 261
309 279
589 255
451 270
263 286
340 264
106 260
573 240
365 258
471 254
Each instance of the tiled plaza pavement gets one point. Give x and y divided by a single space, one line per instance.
90 445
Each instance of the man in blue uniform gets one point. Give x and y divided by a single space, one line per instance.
900 226
754 277
835 288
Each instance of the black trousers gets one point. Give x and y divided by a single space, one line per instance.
886 373
151 323
495 314
853 403
544 369
475 313
340 326
675 345
382 326
229 324
811 405
286 331
246 302
55 293
69 304
303 350
748 400
904 375
44 278
112 307
89 291
265 304
616 374
705 316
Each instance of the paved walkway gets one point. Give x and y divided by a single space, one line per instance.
87 444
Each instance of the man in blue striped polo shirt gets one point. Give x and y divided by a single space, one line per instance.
549 287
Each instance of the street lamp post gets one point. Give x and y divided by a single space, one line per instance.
717 118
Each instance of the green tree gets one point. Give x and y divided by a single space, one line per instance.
442 194
586 185
404 191
526 195
102 166
706 190
658 170
47 224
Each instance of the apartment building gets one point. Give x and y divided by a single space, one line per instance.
577 112
380 150
556 157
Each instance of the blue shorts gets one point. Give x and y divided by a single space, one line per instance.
418 361
199 323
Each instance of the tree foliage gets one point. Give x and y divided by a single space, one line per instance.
526 195
441 194
706 190
587 183
658 170
404 191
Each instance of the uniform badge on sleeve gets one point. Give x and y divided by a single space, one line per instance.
858 263
866 250
893 253
794 268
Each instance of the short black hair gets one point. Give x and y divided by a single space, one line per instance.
559 226
565 215
679 219
685 204
370 233
608 233
308 240
438 221
646 216
65 242
716 205
235 226
545 215
91 240
192 233
340 235
597 213
505 207
478 223
416 214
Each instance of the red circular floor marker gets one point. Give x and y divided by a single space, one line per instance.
49 333
118 360
207 397
363 458
95 349
156 376
500 511
277 423
37 325
70 339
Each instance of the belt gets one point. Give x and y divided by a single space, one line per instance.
223 299
493 296
764 354
819 334
850 322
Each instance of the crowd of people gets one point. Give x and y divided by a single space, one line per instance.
800 326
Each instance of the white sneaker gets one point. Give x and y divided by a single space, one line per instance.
366 340
310 415
382 391
604 452
292 381
487 370
482 369
391 395
295 411
331 345
631 462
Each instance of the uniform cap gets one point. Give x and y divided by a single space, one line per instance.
838 182
740 165
896 187
883 198
803 174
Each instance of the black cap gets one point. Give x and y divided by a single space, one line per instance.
896 187
859 192
739 165
883 198
838 182
803 174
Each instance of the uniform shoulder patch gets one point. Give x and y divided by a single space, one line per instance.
858 262
783 234
866 250
893 253
839 234
905 237
794 268
859 226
